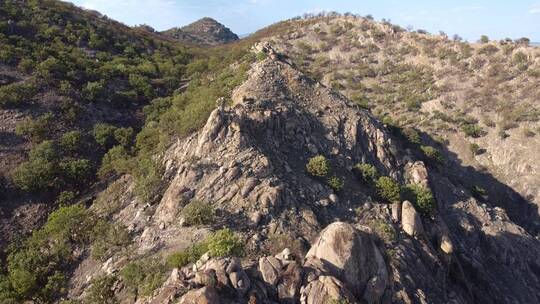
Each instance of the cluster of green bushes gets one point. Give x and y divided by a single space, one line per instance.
50 167
472 130
421 197
144 276
390 190
319 166
36 267
107 135
14 94
36 129
221 243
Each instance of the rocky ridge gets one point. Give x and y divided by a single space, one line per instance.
249 162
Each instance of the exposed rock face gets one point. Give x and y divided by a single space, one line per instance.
249 162
410 220
355 259
205 295
205 31
326 289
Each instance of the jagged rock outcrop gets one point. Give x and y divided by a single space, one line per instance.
249 162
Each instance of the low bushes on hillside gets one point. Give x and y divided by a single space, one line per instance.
221 243
15 94
421 197
198 213
388 189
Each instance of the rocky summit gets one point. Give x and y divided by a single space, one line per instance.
205 31
250 160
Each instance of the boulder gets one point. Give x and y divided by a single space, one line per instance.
270 267
289 283
324 290
396 211
446 244
351 255
410 220
205 295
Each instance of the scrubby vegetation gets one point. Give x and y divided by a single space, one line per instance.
36 267
318 166
367 172
421 197
144 276
198 213
336 183
219 244
432 154
388 189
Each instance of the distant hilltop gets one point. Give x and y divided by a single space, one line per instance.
205 31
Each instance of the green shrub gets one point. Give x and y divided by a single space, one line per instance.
318 166
93 91
141 85
367 172
382 229
261 56
112 238
144 276
14 94
71 141
484 39
432 153
421 197
388 189
39 172
475 149
198 213
148 183
76 170
189 255
35 267
116 160
36 129
221 243
336 183
64 198
101 291
104 134
472 130
124 136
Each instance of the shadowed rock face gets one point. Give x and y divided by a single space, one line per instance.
205 31
249 162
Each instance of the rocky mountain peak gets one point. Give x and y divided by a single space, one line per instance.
205 31
249 162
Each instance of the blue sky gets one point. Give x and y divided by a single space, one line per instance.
470 19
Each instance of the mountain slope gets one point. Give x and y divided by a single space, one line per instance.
242 164
474 102
205 31
73 84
